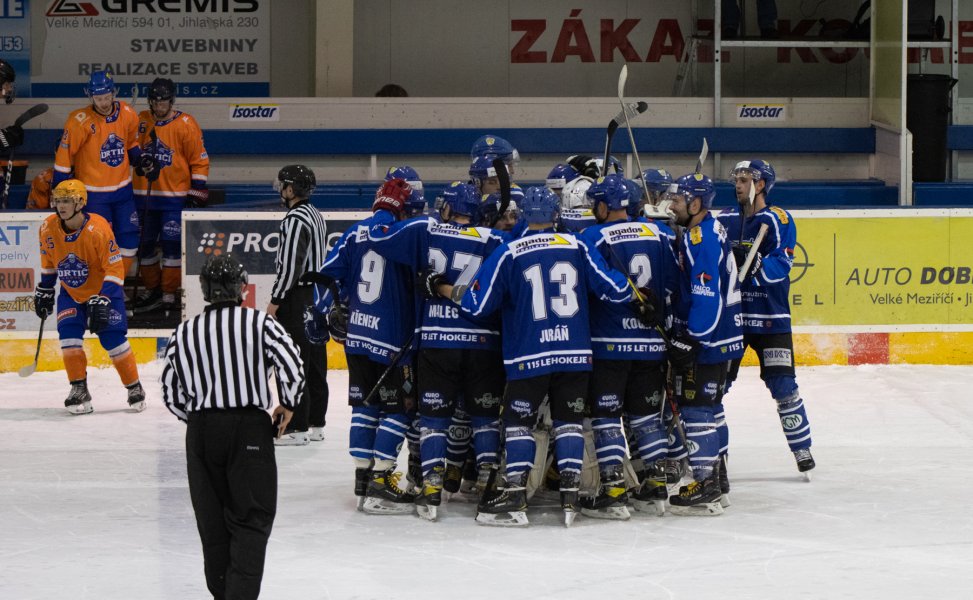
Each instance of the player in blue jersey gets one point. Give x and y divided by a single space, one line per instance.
378 326
629 371
766 298
540 283
706 337
459 358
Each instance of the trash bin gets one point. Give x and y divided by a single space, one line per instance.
928 104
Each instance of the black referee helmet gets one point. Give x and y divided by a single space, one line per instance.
300 178
222 279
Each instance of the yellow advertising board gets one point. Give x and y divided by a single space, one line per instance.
883 270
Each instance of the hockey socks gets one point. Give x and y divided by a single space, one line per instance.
432 442
703 442
649 437
609 443
520 448
389 438
486 440
361 437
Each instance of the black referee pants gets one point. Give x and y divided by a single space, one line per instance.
313 405
233 486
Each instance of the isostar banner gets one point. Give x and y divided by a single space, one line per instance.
891 270
251 237
211 48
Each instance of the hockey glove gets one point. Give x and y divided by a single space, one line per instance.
99 308
647 308
198 196
43 302
682 352
315 327
427 281
338 323
11 137
147 167
740 256
585 165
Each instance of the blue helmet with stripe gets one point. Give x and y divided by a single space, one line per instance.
758 170
610 190
695 185
540 205
462 199
99 83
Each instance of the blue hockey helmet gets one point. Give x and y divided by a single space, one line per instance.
462 199
540 205
695 185
560 176
634 197
610 190
492 146
417 200
657 180
99 83
757 170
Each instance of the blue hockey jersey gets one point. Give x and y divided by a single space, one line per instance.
381 299
540 283
709 299
456 251
766 296
641 250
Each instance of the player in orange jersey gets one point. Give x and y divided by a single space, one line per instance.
180 180
79 249
99 146
40 190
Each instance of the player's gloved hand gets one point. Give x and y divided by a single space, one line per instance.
682 351
198 196
648 308
99 307
11 136
585 165
43 301
147 167
338 322
315 326
427 281
740 256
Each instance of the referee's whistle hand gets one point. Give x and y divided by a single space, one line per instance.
282 417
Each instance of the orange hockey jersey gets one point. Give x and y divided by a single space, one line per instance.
95 148
179 150
40 190
87 261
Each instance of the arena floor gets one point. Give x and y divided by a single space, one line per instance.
97 507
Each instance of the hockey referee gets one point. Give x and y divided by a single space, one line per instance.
303 246
215 378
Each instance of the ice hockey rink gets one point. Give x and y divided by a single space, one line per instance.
97 507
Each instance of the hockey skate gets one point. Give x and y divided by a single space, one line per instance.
293 438
316 434
652 494
453 479
362 477
698 498
724 484
610 503
507 509
431 496
570 484
675 469
147 301
805 462
136 397
468 485
384 496
78 401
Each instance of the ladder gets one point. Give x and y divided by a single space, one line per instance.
687 68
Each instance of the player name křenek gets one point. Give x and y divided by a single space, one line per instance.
229 45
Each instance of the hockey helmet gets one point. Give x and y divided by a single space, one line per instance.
693 185
758 170
574 194
100 83
657 180
222 279
559 176
71 189
540 205
462 199
417 201
162 89
492 146
610 190
300 178
634 188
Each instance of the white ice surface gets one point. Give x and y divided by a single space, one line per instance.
97 507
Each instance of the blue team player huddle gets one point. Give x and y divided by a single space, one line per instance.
570 344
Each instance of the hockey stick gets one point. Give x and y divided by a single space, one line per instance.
753 251
29 369
27 115
504 176
388 370
630 111
702 157
145 212
135 95
622 78
743 215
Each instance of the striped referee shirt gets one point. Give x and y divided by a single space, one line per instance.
223 357
303 247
